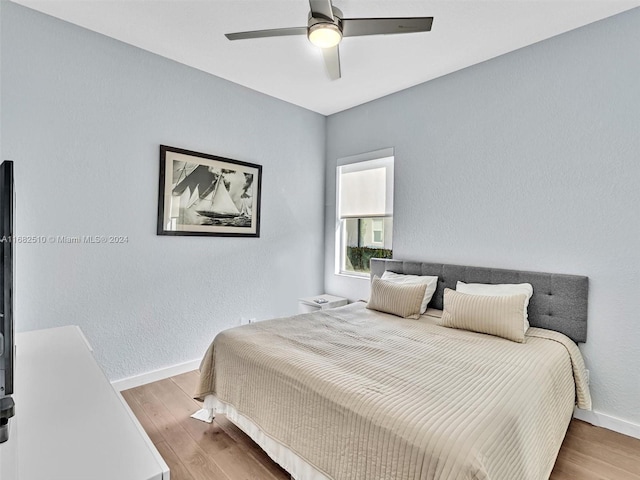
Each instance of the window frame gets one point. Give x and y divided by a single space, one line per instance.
374 159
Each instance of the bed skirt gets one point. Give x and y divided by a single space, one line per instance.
296 466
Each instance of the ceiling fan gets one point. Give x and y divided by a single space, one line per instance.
326 27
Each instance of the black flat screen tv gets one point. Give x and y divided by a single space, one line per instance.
7 341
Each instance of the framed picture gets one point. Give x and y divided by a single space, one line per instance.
203 194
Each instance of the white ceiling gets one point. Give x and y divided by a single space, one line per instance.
290 68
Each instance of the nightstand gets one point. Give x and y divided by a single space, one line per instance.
308 304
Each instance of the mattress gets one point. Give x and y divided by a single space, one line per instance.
359 394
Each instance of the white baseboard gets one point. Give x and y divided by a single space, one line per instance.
155 375
606 421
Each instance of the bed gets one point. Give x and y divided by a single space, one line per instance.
352 393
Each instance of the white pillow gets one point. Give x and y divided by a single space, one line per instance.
500 290
430 282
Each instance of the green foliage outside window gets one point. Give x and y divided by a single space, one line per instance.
359 257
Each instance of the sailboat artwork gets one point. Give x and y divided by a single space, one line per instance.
210 196
207 195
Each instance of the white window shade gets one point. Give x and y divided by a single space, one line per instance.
365 189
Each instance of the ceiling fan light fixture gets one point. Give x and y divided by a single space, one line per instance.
325 35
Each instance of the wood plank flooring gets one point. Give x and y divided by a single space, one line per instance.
220 451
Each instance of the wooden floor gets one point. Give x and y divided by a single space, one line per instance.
220 451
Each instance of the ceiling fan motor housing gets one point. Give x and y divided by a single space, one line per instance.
325 32
337 19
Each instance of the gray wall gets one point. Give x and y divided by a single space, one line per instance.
83 117
527 161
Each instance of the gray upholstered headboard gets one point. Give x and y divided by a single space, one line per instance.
559 302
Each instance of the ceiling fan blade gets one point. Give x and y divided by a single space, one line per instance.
321 8
275 32
354 27
332 61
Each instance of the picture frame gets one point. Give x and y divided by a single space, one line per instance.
207 195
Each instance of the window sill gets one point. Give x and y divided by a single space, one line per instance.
364 276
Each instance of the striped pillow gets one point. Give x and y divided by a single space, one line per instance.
500 290
403 300
429 281
496 315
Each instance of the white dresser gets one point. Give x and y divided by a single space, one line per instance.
71 423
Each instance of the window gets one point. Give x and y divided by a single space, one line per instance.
364 213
